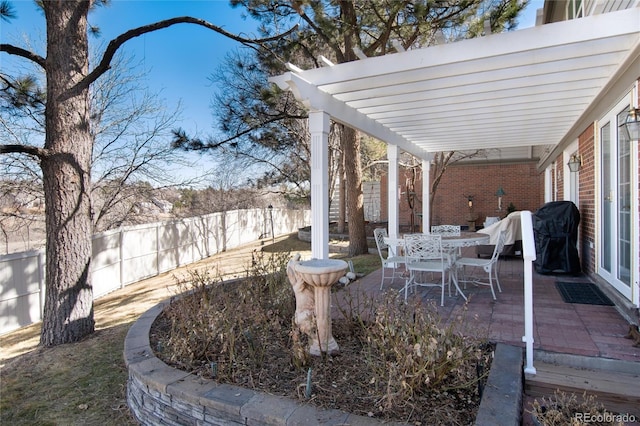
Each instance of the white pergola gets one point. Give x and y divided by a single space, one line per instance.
537 86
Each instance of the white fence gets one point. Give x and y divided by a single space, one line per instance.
371 194
129 254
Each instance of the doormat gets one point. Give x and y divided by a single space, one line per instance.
583 293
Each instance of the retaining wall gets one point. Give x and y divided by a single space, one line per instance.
158 394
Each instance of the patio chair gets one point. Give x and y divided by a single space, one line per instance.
423 253
390 260
446 229
490 266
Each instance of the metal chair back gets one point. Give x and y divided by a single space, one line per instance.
446 229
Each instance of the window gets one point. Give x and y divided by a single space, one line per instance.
575 9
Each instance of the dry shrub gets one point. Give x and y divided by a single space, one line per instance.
397 361
223 328
411 352
563 409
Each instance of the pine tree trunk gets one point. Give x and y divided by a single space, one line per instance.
355 199
342 203
351 150
68 310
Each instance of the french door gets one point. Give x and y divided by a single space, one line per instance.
615 202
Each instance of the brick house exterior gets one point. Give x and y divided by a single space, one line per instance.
521 182
586 202
591 243
598 245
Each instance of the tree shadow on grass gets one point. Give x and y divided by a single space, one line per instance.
76 383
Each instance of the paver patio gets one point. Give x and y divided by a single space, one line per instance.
589 330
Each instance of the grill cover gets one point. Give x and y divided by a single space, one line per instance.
555 228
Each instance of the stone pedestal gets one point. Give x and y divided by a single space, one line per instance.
321 274
471 220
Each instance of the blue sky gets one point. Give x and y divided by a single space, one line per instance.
180 58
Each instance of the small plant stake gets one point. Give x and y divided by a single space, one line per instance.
307 391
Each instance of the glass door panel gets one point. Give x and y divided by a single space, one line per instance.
624 204
606 198
615 204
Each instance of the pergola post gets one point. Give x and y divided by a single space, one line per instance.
529 255
393 191
426 185
319 128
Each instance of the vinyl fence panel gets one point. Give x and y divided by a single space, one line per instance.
21 292
106 262
130 254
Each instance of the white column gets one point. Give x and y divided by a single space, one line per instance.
426 185
393 200
319 129
529 255
548 185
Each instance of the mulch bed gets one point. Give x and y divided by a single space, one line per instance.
339 382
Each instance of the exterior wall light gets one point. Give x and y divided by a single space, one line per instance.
471 216
500 193
632 124
575 163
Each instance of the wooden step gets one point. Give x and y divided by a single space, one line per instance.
619 392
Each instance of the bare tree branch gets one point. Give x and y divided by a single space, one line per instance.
115 44
18 51
24 149
182 141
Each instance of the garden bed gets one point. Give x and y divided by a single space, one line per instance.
417 371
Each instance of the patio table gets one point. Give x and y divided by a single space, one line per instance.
465 239
394 244
451 243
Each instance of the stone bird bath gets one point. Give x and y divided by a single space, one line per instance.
321 274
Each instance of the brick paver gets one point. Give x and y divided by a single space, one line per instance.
588 330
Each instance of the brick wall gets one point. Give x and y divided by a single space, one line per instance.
587 200
523 185
560 161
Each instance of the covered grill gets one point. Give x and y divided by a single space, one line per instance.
555 228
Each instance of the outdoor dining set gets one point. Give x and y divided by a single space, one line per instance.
436 259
